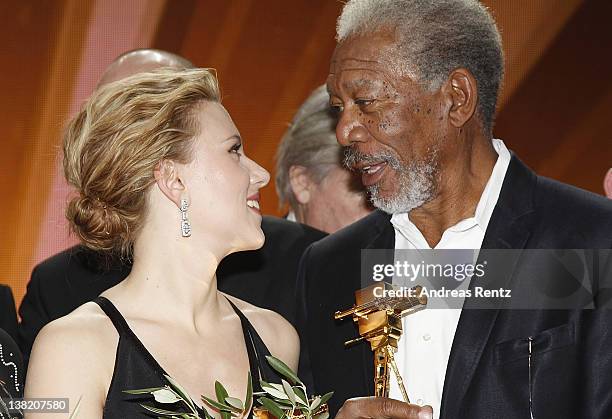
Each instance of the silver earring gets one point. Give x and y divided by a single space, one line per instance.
185 224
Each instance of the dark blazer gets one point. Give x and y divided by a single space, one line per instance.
8 315
264 277
487 374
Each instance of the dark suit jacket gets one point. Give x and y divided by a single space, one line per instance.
8 315
264 277
487 374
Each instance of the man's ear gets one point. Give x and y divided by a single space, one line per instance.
608 184
169 181
461 90
301 184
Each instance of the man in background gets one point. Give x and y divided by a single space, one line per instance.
141 61
310 177
8 315
263 277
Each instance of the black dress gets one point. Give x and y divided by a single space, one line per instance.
135 368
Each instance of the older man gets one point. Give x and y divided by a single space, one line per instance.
415 84
310 176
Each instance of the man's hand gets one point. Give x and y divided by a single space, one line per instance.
382 408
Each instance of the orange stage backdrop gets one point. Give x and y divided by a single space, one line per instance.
269 54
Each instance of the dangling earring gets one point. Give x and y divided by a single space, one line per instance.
185 225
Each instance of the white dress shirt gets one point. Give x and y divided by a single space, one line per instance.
291 216
425 346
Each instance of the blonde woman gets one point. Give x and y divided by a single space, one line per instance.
161 177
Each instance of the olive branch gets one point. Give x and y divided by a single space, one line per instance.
285 401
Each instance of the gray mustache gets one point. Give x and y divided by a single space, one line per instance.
352 157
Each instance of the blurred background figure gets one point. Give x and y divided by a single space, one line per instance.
608 184
140 61
310 177
11 363
8 315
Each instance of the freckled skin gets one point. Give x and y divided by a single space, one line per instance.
380 110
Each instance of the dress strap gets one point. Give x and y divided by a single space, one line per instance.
256 351
125 332
114 315
256 348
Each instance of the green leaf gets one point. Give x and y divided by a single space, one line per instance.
219 406
282 368
181 392
274 392
289 392
315 404
325 398
276 386
220 392
165 395
248 400
77 407
284 403
234 402
142 390
272 407
301 397
159 411
324 415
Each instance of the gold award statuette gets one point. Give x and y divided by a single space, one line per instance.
379 321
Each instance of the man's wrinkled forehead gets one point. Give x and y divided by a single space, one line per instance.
370 55
353 82
373 48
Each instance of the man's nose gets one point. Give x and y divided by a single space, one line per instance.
350 130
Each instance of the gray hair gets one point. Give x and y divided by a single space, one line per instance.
310 141
434 38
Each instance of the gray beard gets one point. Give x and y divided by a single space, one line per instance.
417 181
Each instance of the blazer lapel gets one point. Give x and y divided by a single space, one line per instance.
509 228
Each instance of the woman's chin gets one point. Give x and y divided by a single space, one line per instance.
261 239
255 241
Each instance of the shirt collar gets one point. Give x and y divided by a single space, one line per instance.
291 216
490 195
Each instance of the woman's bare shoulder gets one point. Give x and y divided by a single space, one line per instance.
73 357
86 325
277 333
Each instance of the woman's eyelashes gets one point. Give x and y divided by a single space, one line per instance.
236 149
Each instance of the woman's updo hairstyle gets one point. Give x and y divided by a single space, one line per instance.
113 145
